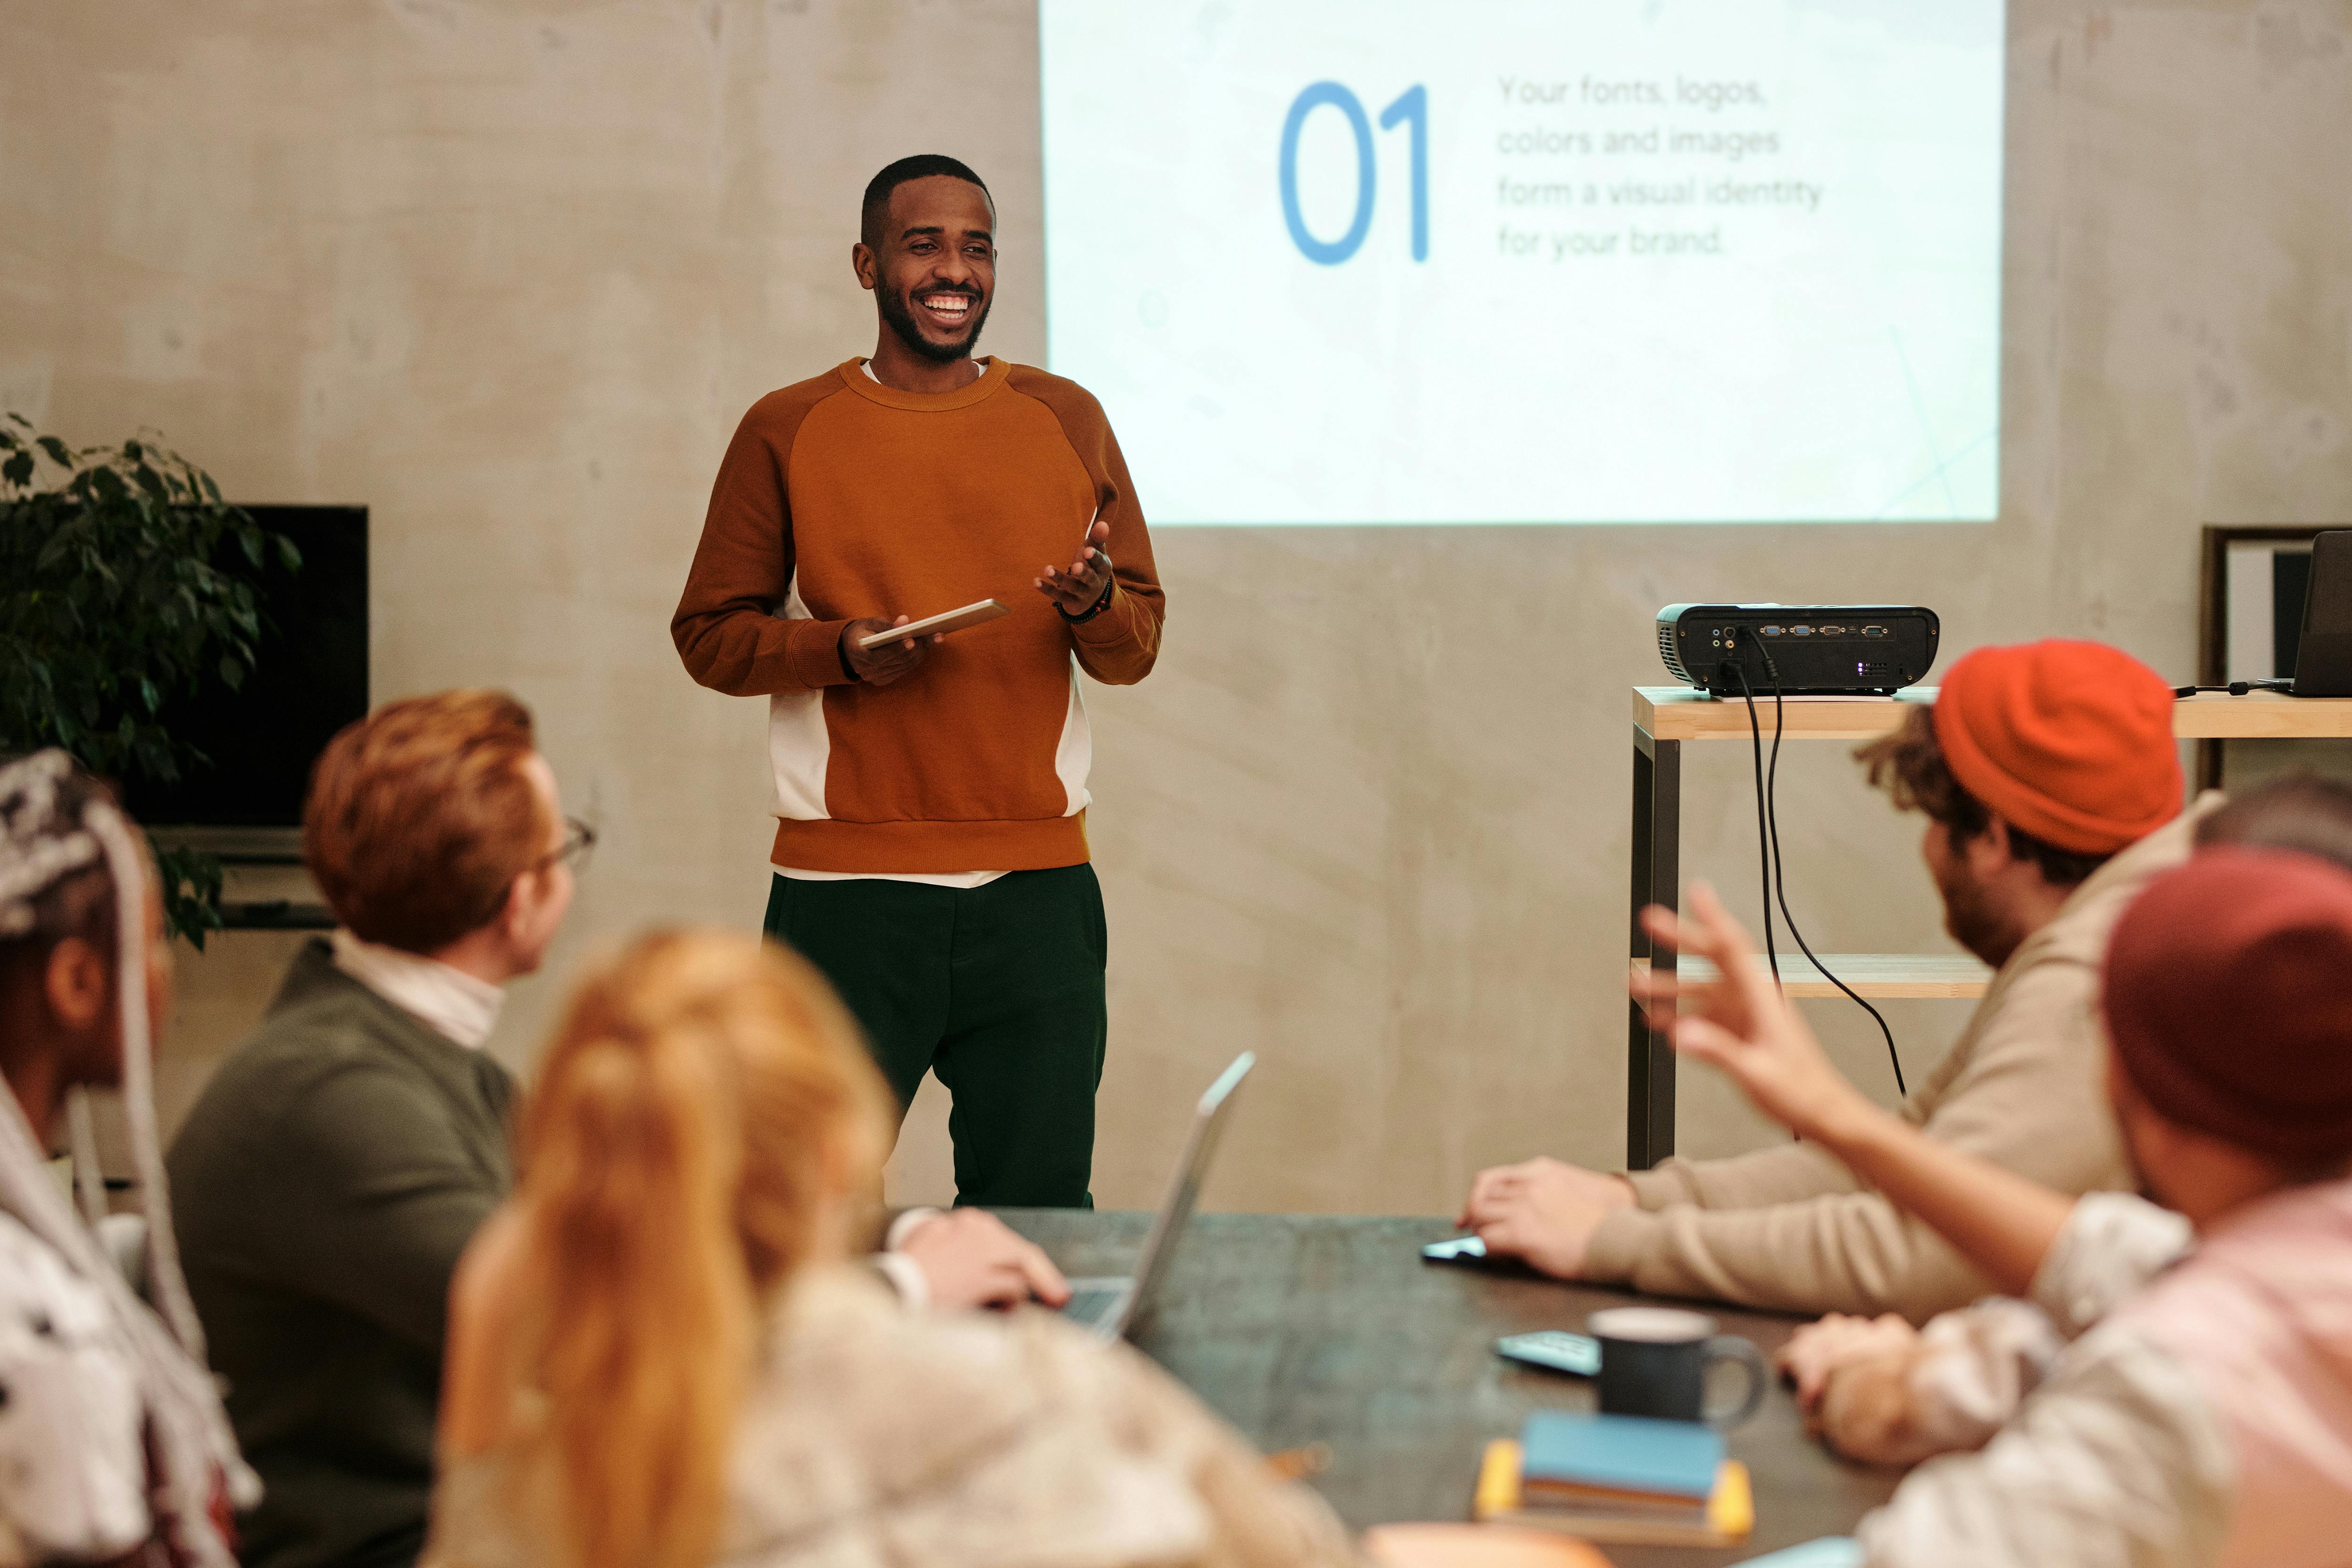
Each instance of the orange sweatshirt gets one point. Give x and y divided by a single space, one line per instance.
841 497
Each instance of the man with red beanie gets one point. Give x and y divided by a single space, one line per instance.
2051 785
2201 1410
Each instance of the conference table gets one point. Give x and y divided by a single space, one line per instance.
1306 1329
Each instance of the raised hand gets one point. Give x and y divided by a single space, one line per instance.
889 661
1076 589
1739 1024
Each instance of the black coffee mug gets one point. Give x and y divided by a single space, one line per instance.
1653 1363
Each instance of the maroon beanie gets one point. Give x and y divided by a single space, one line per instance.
2228 990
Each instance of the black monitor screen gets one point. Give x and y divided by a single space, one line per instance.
310 679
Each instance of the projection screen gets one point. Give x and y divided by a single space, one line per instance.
1532 261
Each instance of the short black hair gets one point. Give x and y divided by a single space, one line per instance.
921 166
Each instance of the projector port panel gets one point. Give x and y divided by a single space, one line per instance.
1804 651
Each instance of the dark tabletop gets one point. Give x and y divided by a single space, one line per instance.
1307 1328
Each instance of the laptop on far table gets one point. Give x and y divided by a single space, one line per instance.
2323 659
1110 1306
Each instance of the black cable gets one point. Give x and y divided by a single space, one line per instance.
2239 687
1763 835
1779 866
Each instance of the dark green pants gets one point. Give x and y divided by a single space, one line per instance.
998 989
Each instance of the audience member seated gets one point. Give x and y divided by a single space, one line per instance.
2051 788
2201 1412
335 1167
1878 1390
659 1358
112 1442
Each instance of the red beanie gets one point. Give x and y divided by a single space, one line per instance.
2070 740
2226 997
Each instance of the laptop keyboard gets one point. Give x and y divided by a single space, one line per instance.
1089 1306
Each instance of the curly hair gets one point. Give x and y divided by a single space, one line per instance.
1909 764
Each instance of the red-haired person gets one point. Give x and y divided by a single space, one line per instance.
2199 1414
660 1359
113 1446
338 1163
2052 786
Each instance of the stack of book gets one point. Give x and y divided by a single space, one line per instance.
1618 1478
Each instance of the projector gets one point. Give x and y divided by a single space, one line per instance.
1802 650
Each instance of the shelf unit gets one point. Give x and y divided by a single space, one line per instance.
1666 716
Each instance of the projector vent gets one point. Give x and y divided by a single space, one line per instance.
1671 653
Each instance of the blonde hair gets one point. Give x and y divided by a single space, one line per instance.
703 1097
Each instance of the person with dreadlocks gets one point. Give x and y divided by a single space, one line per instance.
113 1445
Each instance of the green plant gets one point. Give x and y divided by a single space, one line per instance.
121 587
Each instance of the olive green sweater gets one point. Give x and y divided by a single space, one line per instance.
323 1188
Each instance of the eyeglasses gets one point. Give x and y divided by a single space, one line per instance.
579 838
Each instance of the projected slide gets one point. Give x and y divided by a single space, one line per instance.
1463 261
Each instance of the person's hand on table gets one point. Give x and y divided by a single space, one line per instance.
1543 1210
1817 1351
1739 1024
1079 587
891 660
971 1258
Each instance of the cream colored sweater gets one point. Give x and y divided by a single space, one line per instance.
871 1436
1789 1228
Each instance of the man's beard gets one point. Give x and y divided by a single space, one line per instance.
1969 915
901 317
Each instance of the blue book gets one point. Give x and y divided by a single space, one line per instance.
1570 1449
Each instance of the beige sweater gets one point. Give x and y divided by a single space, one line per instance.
1789 1228
873 1437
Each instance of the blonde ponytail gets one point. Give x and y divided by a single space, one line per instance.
692 1114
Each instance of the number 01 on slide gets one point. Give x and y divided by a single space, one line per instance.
1411 107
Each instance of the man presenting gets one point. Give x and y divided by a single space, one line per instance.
2052 788
930 850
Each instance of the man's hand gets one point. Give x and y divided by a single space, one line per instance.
889 661
1817 1350
971 1258
1543 1211
1074 588
1739 1024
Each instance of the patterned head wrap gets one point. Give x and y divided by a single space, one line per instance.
43 841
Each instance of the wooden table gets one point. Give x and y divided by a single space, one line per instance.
1305 1328
1666 716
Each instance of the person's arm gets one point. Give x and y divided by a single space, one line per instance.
2117 1462
1843 1252
729 627
379 1199
1884 1393
2000 1222
1117 634
1785 1172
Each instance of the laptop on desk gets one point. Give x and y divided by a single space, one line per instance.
1110 1306
2323 659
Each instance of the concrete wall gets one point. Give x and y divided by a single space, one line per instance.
508 272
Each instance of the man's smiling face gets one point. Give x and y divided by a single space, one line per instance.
932 265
